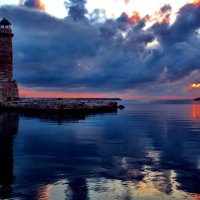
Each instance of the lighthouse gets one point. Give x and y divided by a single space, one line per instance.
8 86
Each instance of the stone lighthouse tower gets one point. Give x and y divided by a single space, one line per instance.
8 86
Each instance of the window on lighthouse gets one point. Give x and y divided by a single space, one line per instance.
7 26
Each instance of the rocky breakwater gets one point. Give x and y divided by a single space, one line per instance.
62 105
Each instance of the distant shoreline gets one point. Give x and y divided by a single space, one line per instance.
196 99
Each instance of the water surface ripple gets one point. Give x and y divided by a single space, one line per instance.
149 151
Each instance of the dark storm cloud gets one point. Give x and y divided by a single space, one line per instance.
166 8
66 54
183 28
180 42
76 9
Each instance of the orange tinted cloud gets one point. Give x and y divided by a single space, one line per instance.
166 20
161 16
33 3
196 2
41 5
194 85
135 18
126 1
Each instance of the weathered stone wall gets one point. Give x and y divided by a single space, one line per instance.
6 53
8 87
9 90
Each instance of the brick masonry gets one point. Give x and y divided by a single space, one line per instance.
8 86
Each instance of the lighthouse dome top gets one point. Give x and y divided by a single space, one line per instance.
4 23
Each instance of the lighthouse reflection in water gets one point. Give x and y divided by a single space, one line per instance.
147 151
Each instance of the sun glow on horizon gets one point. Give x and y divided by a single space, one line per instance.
34 93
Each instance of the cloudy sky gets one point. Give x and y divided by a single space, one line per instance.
109 48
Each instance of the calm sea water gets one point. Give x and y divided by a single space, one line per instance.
149 151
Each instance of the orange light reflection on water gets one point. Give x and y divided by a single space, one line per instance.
195 196
196 111
45 191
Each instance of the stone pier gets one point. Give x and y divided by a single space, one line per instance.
9 96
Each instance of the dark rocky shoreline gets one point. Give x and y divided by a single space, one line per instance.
61 105
196 99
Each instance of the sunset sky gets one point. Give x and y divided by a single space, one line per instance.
108 48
